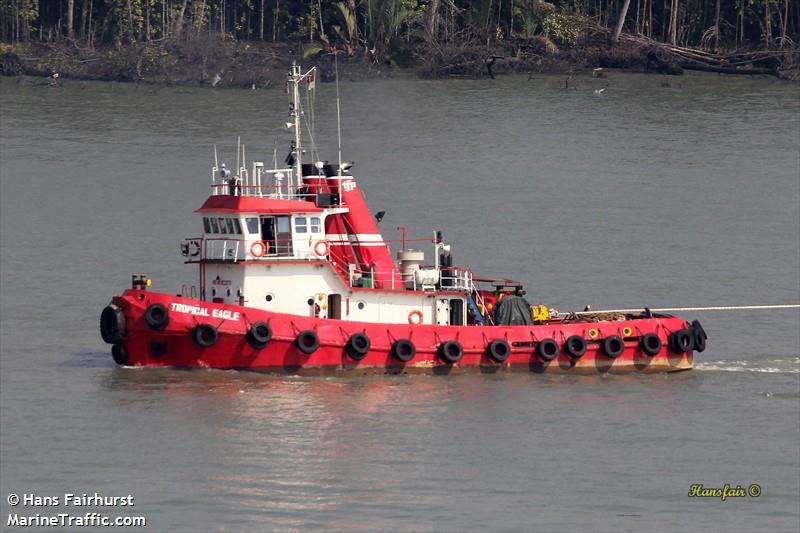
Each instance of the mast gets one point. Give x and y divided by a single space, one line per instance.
296 77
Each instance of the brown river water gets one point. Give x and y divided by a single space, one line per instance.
643 195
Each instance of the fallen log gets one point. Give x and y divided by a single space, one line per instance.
752 71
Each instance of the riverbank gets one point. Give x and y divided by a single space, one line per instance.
216 62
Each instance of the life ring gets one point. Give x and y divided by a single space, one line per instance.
451 352
262 246
415 321
112 324
613 346
651 344
193 248
307 341
593 333
358 346
404 350
498 350
547 349
326 248
627 331
259 335
575 346
205 335
157 317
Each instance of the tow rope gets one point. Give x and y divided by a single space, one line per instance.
679 309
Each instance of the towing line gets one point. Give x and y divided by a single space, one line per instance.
680 309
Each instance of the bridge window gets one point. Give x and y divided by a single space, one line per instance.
300 225
229 222
237 225
222 228
252 226
315 225
206 225
214 226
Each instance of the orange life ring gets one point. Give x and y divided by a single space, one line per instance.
627 331
326 248
593 333
263 247
415 321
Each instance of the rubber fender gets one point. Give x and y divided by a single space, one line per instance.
498 350
358 346
682 341
651 344
307 341
120 354
575 346
451 352
403 350
205 335
547 349
613 346
112 324
259 335
156 316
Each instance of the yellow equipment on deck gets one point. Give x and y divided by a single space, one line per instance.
540 313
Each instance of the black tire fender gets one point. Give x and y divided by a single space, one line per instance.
613 346
682 341
205 335
651 344
120 354
699 334
575 346
547 349
358 346
451 352
403 350
112 324
498 350
259 335
307 341
156 316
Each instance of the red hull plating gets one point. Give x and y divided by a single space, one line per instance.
175 345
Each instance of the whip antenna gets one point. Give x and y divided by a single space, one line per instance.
338 113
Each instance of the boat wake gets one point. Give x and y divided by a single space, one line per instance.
789 365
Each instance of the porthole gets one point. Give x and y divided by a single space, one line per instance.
310 301
361 305
269 297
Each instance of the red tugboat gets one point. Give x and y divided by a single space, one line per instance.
294 276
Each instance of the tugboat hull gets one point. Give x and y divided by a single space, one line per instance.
153 329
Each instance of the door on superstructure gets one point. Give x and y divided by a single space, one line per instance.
335 306
442 312
456 312
283 235
268 233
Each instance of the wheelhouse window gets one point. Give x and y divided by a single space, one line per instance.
206 225
237 225
229 222
252 225
301 225
315 225
222 226
214 226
